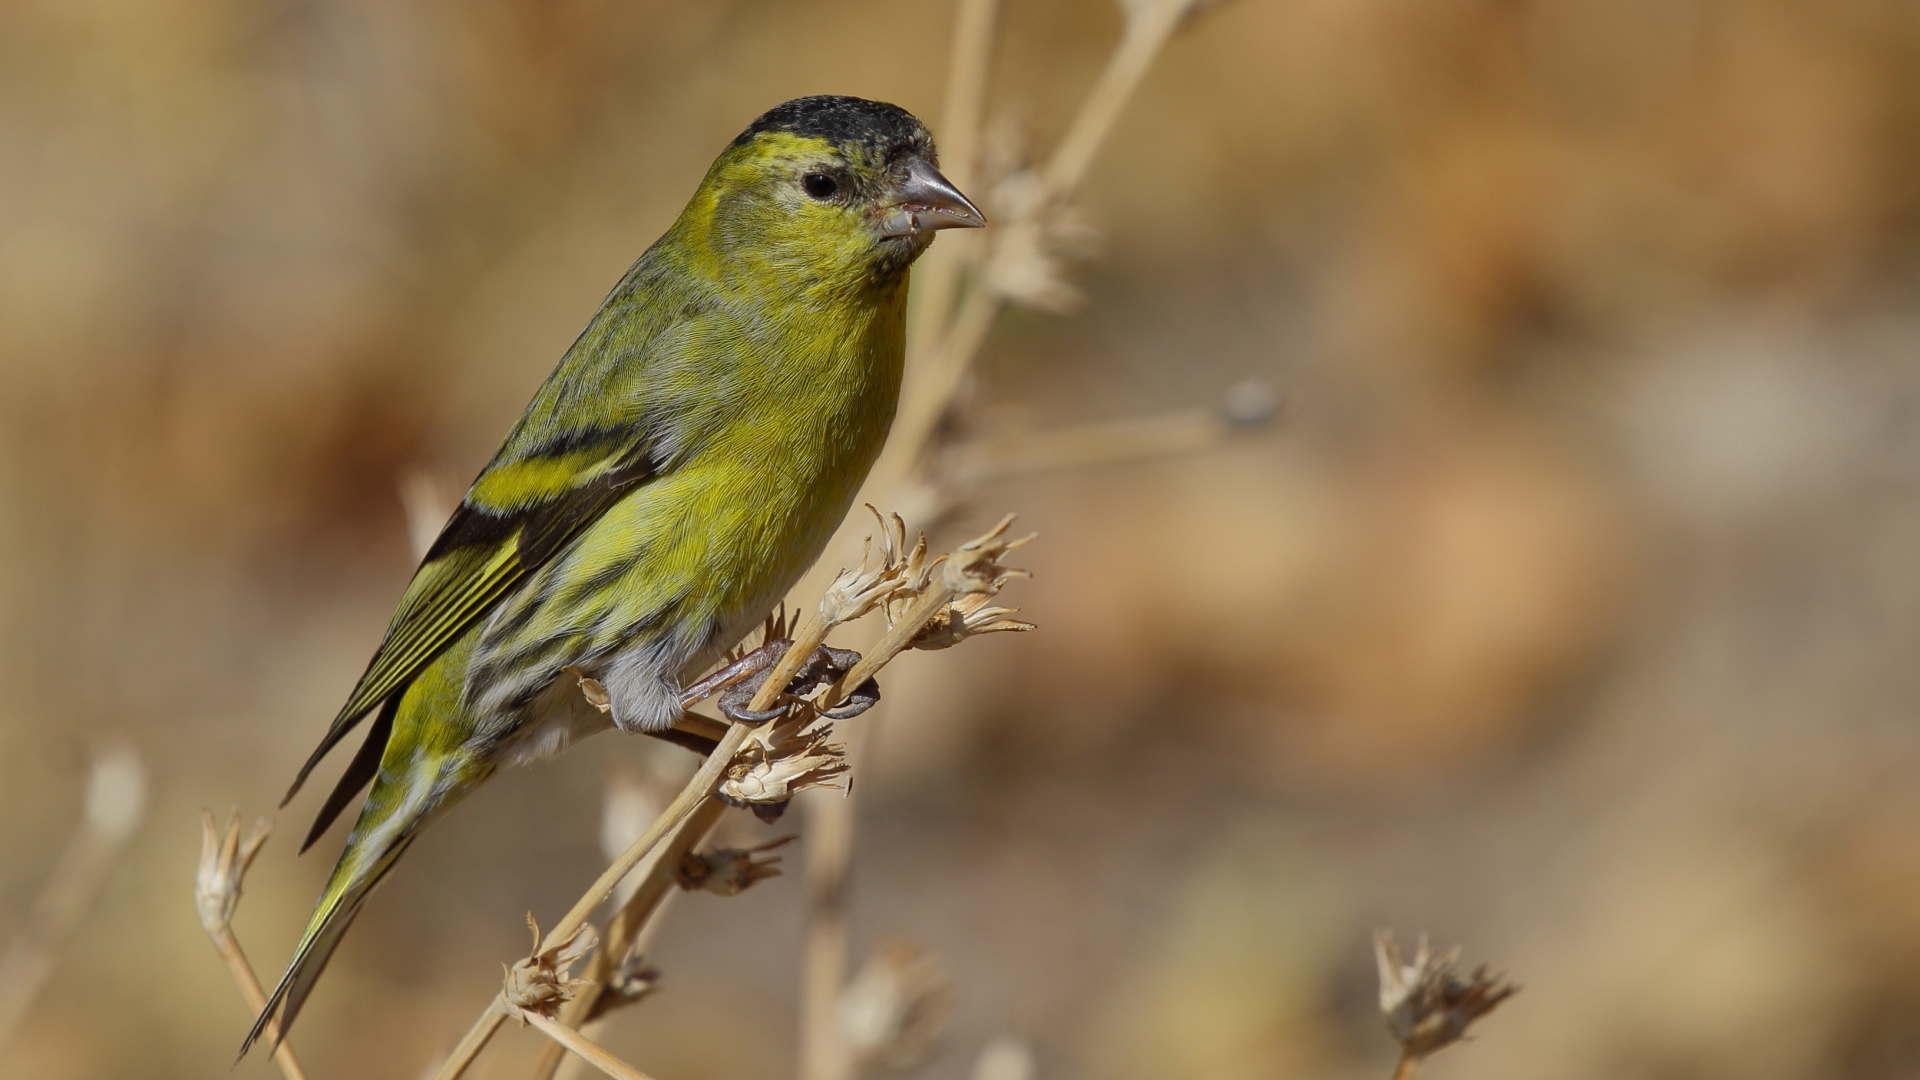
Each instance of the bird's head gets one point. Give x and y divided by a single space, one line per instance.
830 191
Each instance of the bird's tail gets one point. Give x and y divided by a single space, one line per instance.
394 812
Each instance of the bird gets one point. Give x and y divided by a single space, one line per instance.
681 467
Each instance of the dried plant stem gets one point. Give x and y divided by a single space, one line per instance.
588 1050
830 824
1093 444
630 922
114 800
243 977
936 382
938 595
69 892
1408 1068
1146 35
937 278
944 346
697 791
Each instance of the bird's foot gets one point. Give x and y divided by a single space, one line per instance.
864 697
747 667
826 665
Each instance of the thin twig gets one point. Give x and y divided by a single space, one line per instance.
697 790
946 344
224 860
115 799
1092 444
627 926
1408 1068
1146 34
256 1000
937 279
588 1050
936 384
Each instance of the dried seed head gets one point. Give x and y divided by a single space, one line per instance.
1427 1005
862 589
540 983
967 617
785 757
224 859
1039 236
893 1009
1005 1059
974 567
116 792
729 871
632 980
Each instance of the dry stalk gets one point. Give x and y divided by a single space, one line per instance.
628 924
586 1049
115 800
946 343
677 816
937 278
1247 407
224 859
934 385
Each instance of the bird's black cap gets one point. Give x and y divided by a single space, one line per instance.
845 120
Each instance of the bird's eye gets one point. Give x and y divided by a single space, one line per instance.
819 185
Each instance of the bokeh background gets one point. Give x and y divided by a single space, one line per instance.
1570 612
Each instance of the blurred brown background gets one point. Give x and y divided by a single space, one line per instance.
1571 613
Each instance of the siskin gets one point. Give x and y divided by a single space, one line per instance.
673 477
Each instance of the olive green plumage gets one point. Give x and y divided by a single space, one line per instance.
675 474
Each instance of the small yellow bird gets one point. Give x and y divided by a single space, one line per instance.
673 477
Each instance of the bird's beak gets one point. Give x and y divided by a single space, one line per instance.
924 201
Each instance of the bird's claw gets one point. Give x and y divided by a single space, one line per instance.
864 697
826 665
733 704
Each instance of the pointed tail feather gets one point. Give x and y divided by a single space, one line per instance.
344 895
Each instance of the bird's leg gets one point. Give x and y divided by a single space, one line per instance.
687 740
734 703
754 663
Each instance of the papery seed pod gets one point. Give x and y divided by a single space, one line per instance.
541 982
894 1007
1426 1004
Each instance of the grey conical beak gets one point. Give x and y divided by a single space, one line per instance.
924 201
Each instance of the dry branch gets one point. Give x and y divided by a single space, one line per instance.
115 801
224 860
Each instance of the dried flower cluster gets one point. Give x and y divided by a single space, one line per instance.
894 1007
1040 236
1428 1006
541 983
783 759
730 871
224 859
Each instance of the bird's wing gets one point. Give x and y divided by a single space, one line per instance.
519 512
